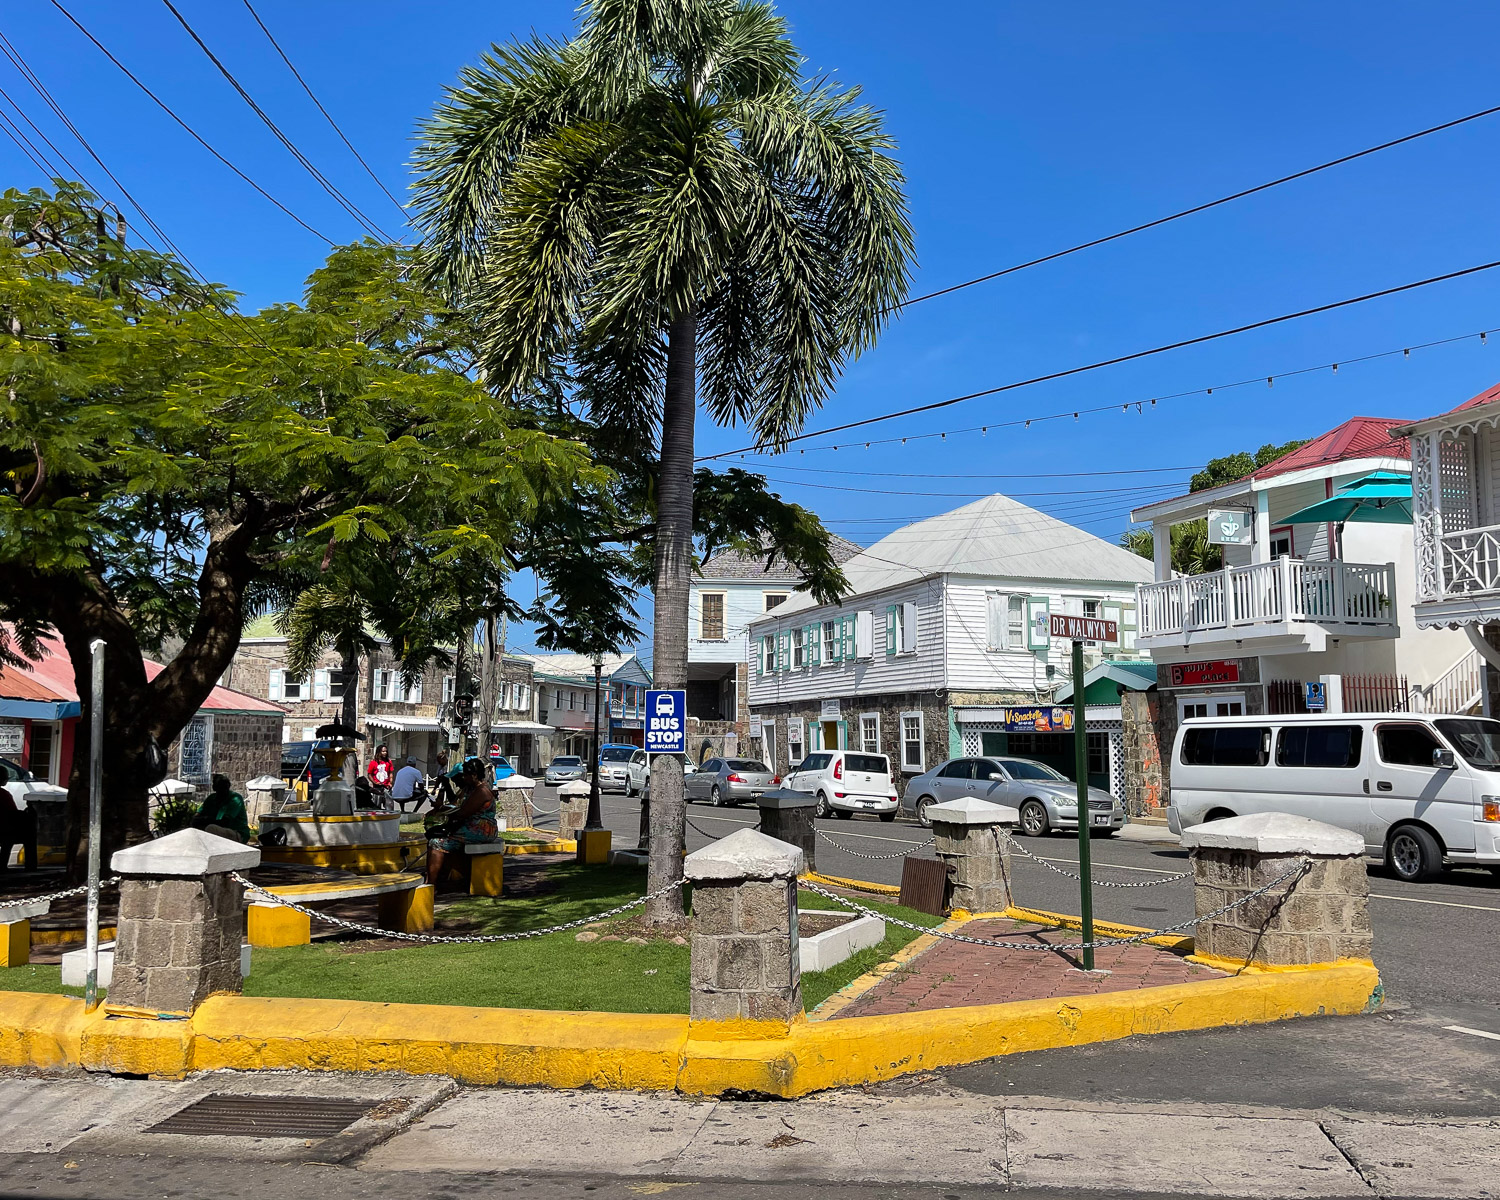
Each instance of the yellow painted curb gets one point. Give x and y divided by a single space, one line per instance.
1110 929
66 937
621 1050
1237 966
883 889
549 848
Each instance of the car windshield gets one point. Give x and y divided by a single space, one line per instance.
1477 740
1019 768
746 764
616 753
571 760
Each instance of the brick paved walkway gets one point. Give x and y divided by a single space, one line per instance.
955 974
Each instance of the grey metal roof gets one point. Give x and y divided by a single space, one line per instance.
734 564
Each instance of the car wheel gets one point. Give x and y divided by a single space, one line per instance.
1218 814
823 810
1103 833
716 797
1412 854
923 804
888 817
1034 821
843 814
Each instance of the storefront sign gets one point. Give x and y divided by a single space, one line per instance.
830 710
1084 629
1231 527
1200 674
1317 696
1044 719
755 727
12 740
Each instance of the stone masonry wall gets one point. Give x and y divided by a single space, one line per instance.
1145 793
178 942
1325 916
744 951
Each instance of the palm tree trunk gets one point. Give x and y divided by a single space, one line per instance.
674 564
349 667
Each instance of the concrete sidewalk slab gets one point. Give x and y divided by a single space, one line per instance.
842 1139
41 1116
1133 832
620 1133
1152 1153
1423 1159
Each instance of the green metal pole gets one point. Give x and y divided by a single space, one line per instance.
1081 765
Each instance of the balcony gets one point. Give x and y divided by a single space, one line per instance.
1304 603
1471 561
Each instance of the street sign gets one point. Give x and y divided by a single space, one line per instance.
666 722
1317 696
1084 629
1231 527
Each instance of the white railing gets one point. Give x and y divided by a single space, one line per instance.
1459 689
1470 560
1273 593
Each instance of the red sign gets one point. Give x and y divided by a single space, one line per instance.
1084 629
1200 673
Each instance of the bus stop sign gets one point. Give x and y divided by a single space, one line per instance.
666 722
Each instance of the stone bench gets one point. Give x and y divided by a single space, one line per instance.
15 930
405 907
486 862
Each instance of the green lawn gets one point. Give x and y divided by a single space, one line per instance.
552 972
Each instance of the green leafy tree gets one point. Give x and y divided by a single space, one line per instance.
665 204
1231 467
167 470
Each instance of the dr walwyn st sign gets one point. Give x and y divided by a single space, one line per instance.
1084 629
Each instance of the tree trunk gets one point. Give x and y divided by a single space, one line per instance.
349 714
489 685
674 565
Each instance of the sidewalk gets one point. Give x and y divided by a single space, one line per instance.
922 1133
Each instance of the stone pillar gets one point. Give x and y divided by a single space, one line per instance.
182 921
1320 918
787 816
512 795
744 943
972 837
572 809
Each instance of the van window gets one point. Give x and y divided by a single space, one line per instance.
1477 740
1407 745
1227 746
1319 746
874 763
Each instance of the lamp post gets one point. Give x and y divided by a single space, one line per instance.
596 818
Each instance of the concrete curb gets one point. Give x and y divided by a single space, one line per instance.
519 1047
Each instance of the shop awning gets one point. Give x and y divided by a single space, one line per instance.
520 727
40 710
403 724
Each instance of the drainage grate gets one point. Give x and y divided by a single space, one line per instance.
221 1115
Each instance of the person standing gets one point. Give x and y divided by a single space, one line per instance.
381 772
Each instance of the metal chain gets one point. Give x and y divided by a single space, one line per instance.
1015 845
78 891
448 939
713 837
827 837
1301 869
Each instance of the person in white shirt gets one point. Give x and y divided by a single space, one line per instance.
406 784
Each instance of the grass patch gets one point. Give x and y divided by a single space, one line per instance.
817 986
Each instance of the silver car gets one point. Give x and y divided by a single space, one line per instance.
565 768
624 769
1045 798
729 780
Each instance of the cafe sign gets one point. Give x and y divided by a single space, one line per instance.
1203 674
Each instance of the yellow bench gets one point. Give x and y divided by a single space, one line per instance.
405 906
15 930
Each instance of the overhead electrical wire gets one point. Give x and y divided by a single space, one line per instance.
780 466
1198 208
193 133
327 115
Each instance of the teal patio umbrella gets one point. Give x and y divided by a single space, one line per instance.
1381 497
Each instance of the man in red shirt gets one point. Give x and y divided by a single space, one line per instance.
381 772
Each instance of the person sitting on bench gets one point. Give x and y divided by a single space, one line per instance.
408 785
223 813
472 821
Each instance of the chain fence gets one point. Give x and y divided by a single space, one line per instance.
51 896
829 838
450 938
1299 870
1107 883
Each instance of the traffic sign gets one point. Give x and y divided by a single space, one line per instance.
1084 629
666 722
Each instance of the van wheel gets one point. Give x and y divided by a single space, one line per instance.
1034 821
922 806
823 810
1218 814
1412 854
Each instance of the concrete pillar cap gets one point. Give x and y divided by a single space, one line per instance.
517 781
972 811
1274 833
576 788
188 853
744 854
786 798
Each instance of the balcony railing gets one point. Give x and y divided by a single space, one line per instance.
1471 560
1278 593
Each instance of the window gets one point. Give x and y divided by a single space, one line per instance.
768 654
1407 745
911 742
959 768
1282 542
1091 608
817 762
557 698
385 685
1319 746
448 689
1478 740
1098 749
1017 769
1229 746
794 742
869 732
798 657
774 599
1040 745
1211 706
833 644
39 759
336 685
711 616
874 764
283 687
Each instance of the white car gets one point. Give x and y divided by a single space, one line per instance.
624 769
846 782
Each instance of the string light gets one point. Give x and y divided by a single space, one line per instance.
1270 381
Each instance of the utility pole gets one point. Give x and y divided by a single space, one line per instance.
596 817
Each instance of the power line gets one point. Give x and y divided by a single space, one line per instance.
835 487
298 76
1118 359
989 474
193 133
348 205
1198 208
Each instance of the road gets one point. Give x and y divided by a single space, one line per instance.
1437 946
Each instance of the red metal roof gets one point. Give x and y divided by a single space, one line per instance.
1358 437
1484 397
16 684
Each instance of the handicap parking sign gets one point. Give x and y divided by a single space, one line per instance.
666 722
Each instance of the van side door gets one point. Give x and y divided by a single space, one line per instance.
1405 783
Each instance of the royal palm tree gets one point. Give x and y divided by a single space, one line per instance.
665 205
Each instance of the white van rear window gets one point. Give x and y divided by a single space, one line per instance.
1319 746
1227 746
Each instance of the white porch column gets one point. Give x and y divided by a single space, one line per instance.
1161 549
1427 514
1261 551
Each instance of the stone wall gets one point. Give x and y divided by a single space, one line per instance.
246 745
1145 794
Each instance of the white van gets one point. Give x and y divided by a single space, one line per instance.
1421 790
846 782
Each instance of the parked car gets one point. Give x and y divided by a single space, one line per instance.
730 780
688 771
21 784
1045 798
1421 790
501 766
564 768
623 768
298 761
846 782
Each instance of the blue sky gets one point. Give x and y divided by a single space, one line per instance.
1023 128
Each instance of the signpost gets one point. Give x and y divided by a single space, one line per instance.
666 722
1317 696
1079 630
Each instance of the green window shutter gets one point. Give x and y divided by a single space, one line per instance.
784 651
847 634
760 654
890 630
843 735
836 651
812 646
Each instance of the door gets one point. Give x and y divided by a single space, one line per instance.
952 782
1321 771
639 769
1211 706
831 739
701 780
986 788
1404 783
